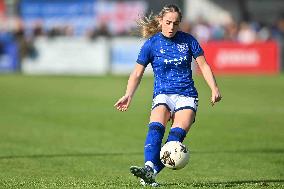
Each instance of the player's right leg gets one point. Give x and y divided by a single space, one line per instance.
160 115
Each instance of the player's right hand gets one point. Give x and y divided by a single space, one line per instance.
123 103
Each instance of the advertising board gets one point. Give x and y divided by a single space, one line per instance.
237 58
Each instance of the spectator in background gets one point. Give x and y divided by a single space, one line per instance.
68 31
25 45
218 32
37 30
201 30
246 33
55 31
278 29
263 33
101 30
231 31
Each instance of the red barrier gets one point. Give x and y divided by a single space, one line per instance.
236 58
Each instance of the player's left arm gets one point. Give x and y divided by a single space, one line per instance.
209 78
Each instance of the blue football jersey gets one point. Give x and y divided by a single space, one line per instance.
171 62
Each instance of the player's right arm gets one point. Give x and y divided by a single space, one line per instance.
133 82
143 60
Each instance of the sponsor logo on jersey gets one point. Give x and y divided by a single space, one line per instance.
175 61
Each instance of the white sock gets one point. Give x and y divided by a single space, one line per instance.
149 163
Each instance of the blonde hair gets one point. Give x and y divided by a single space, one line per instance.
150 25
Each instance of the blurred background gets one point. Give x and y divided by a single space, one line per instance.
99 37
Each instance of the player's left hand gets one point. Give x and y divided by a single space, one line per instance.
215 96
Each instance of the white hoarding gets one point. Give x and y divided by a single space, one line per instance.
124 53
74 56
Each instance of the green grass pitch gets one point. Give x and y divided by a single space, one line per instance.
63 132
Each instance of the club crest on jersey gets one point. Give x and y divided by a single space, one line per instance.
183 47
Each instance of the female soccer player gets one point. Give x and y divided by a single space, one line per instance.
170 52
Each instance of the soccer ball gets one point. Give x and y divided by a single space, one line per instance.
174 155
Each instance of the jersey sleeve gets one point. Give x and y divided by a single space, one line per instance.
144 57
195 48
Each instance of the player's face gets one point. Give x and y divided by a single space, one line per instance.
170 24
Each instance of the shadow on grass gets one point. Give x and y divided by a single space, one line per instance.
70 155
273 151
265 182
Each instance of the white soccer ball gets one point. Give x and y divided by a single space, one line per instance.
174 155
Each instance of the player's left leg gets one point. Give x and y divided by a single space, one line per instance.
184 114
182 120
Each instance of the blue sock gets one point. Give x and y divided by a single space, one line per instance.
176 134
153 142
